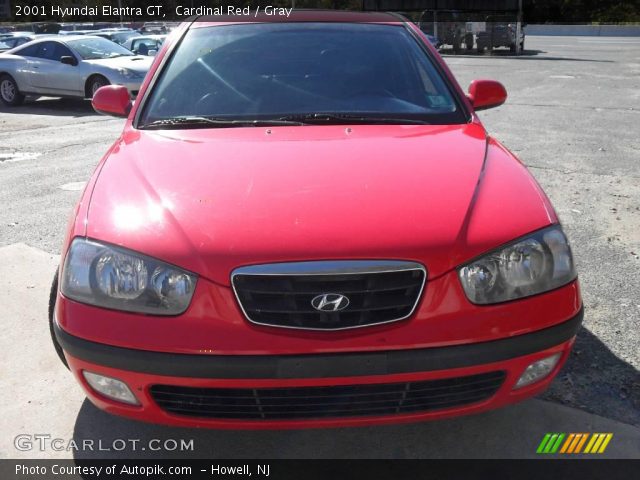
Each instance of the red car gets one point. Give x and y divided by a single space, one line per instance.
305 224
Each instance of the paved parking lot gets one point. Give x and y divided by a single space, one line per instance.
573 118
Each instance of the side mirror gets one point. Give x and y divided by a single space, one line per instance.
112 100
68 60
152 53
485 94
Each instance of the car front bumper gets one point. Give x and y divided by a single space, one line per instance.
133 85
303 375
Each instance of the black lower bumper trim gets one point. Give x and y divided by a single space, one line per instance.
317 365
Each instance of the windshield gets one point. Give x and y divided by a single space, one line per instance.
148 42
294 70
93 48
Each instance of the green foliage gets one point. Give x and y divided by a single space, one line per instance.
582 11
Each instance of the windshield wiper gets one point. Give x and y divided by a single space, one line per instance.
213 122
349 119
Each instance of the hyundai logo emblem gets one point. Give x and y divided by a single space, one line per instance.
330 302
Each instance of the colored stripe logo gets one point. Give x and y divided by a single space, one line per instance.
571 443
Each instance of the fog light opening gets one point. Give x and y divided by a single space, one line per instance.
110 388
538 370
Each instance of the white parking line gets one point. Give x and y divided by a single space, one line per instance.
606 40
73 186
7 157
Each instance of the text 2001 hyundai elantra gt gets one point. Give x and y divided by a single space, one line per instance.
305 224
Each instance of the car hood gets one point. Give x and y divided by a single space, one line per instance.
213 200
137 63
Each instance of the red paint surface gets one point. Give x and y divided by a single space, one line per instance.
148 411
213 200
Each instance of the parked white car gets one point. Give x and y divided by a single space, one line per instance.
145 45
68 66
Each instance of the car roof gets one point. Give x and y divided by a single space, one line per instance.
58 38
303 15
68 38
151 37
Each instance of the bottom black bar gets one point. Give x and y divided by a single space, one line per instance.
318 365
556 469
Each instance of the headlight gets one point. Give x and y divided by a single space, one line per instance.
540 262
112 277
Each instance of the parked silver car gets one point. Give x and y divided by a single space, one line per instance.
69 66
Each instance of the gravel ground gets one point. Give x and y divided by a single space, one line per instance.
572 117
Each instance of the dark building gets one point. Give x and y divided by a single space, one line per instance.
5 9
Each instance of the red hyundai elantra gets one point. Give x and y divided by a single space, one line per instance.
305 224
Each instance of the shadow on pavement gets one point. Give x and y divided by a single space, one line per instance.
420 440
511 432
488 53
64 107
524 55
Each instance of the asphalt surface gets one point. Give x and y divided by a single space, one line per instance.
572 117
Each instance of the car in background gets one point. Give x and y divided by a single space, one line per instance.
446 27
154 27
68 66
13 40
145 45
499 35
116 29
433 40
11 34
76 32
75 27
117 36
320 235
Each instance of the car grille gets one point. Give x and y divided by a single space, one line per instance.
282 295
327 402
